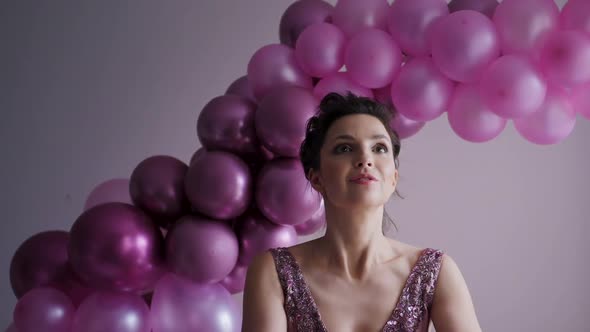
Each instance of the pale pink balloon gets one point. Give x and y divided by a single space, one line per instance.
410 20
522 23
512 87
565 57
580 99
403 126
113 190
575 15
43 309
340 83
552 122
464 43
421 92
235 280
372 58
470 118
320 49
352 16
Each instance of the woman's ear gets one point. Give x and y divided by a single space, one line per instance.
314 179
396 178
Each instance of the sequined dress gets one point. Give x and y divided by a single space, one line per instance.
411 314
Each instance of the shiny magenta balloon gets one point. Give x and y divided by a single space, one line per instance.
43 309
320 49
235 280
314 224
241 87
116 246
113 190
352 16
301 14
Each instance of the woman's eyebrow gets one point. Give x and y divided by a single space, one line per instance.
349 137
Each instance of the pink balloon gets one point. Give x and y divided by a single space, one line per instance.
115 246
470 118
575 15
197 154
281 119
372 58
421 92
320 49
522 23
464 43
580 99
227 123
180 305
157 187
301 14
512 87
405 127
565 57
236 280
340 83
314 224
110 311
43 309
351 16
409 21
275 65
283 194
257 234
486 7
202 250
113 190
219 185
241 87
551 123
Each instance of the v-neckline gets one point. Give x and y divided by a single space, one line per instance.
395 308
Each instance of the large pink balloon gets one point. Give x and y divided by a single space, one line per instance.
115 246
275 65
257 234
470 118
551 123
241 87
421 92
320 49
201 249
372 58
409 21
43 309
283 194
340 83
352 15
565 57
301 14
403 126
522 23
157 187
113 190
314 224
464 43
575 15
227 123
179 305
111 311
235 280
281 119
512 87
218 184
580 99
486 7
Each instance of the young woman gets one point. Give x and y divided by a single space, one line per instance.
354 278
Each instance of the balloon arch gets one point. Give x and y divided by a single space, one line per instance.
163 250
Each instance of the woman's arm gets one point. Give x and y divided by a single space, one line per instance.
452 307
263 298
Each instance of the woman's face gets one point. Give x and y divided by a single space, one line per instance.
356 145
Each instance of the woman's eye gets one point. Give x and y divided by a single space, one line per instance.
381 148
342 148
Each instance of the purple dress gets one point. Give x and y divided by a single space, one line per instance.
411 314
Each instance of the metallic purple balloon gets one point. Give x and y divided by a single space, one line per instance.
299 16
112 311
486 7
314 224
257 234
241 87
113 190
201 249
275 65
116 246
236 280
157 187
281 119
180 305
227 123
219 185
43 309
351 16
199 153
284 195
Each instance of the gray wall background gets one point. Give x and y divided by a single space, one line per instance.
89 89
